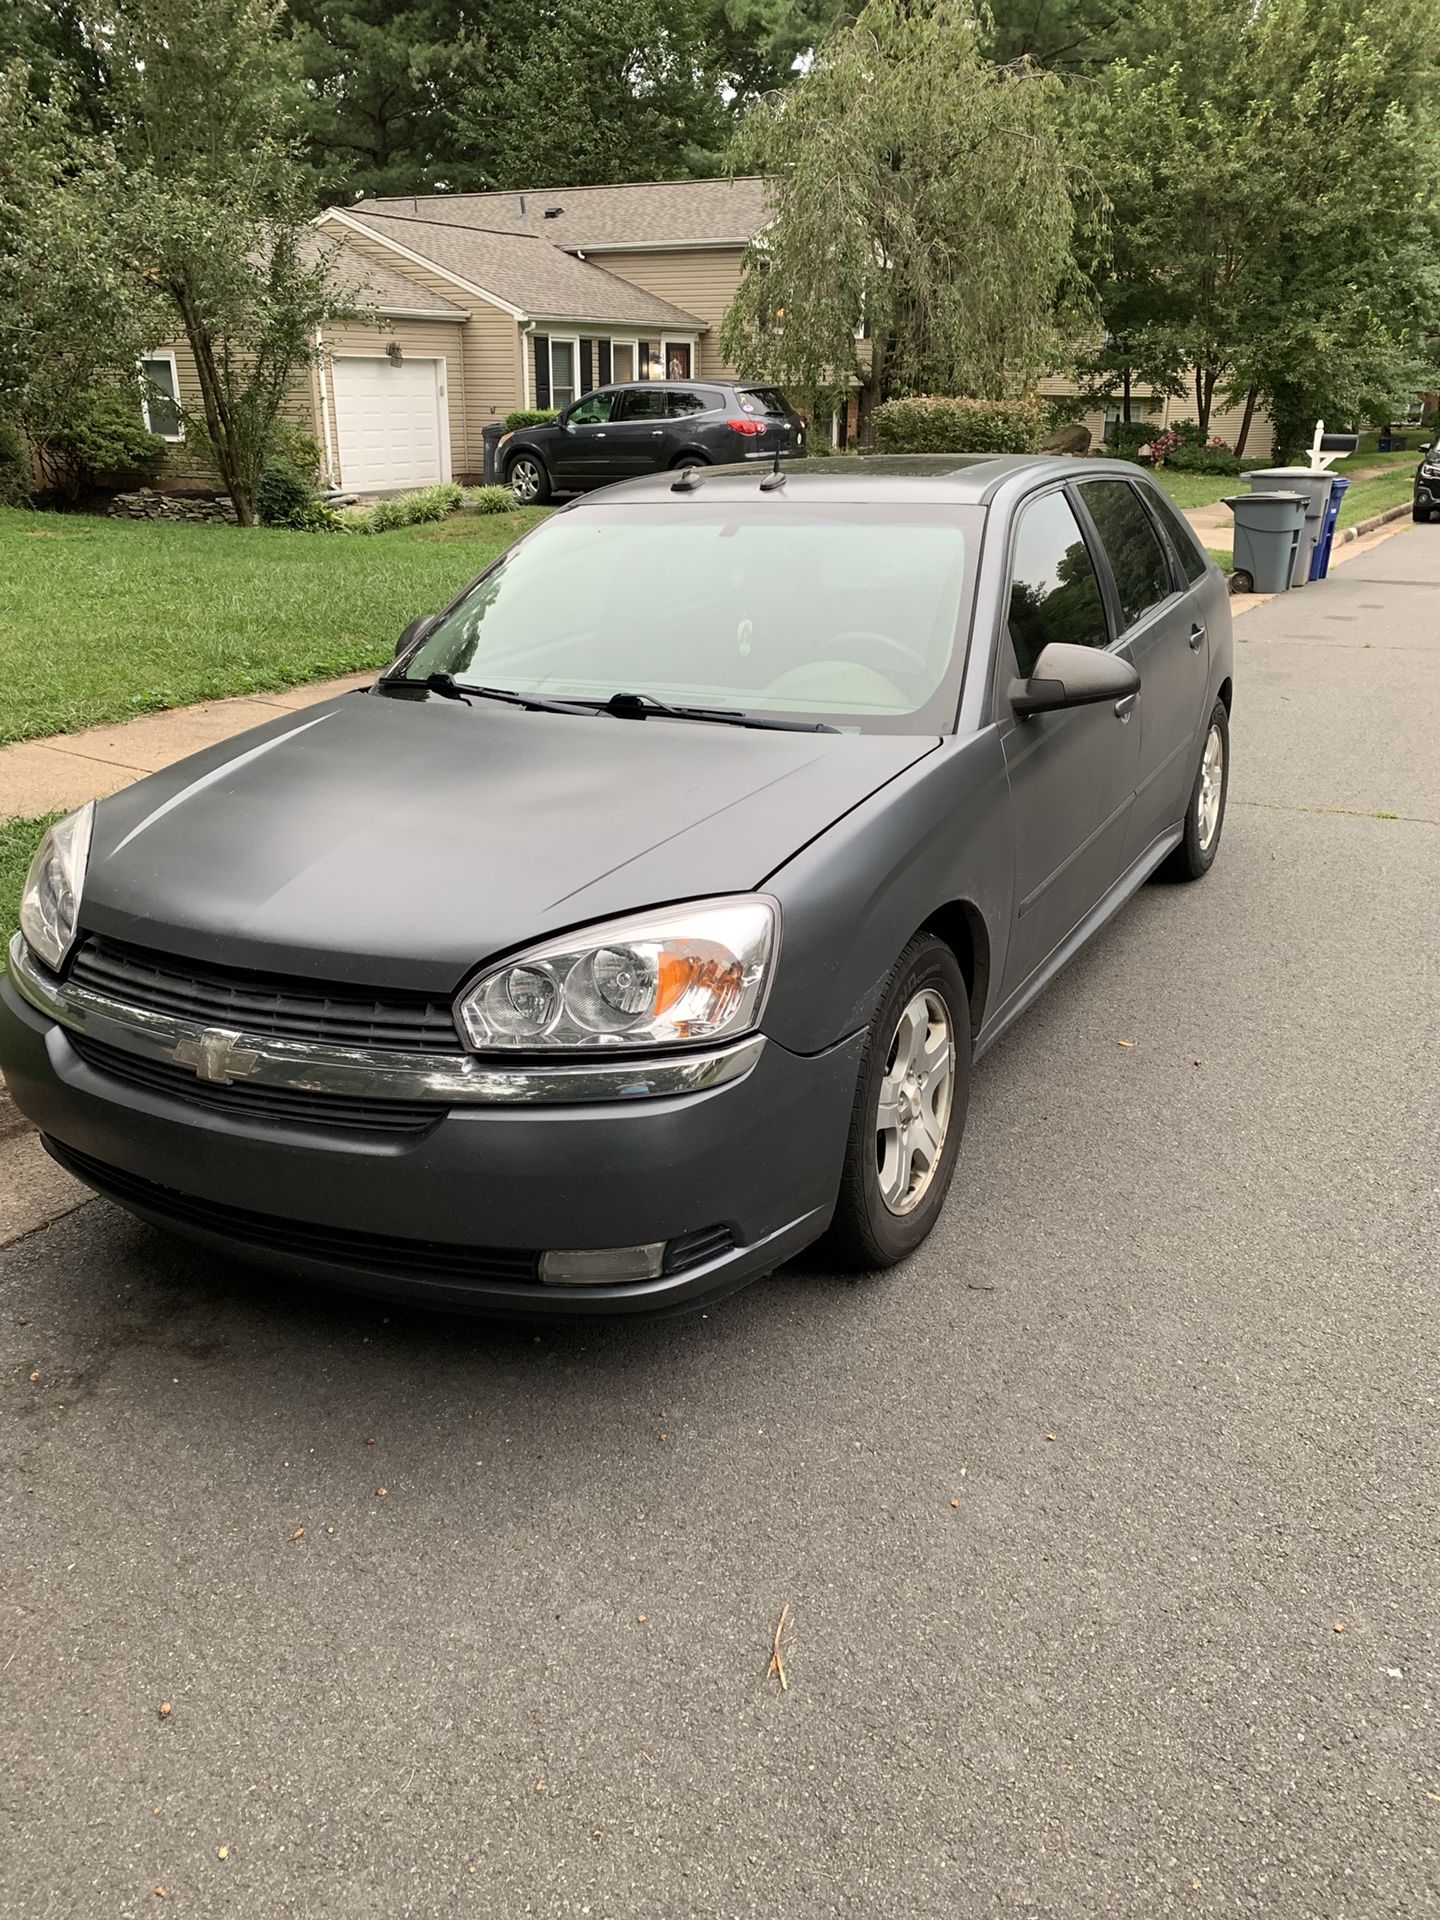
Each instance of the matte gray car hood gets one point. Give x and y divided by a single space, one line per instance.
401 843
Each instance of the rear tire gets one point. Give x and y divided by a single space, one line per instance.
683 460
909 1112
1205 815
528 478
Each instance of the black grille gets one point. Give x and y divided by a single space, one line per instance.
339 1246
694 1249
240 1100
258 1003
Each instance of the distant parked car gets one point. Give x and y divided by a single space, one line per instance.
1427 483
647 426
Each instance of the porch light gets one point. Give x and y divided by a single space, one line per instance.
394 355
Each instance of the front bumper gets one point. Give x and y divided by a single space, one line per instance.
742 1174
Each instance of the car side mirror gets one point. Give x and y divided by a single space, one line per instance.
415 632
1070 676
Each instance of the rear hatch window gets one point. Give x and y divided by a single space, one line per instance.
767 400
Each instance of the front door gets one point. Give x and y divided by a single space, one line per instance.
1164 630
1072 774
583 456
637 432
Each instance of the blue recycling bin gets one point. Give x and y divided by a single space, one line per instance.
1320 565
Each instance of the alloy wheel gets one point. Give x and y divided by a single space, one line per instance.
1212 789
912 1116
525 482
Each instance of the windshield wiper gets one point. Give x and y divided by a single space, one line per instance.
449 688
639 706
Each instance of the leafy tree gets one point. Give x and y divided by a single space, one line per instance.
381 81
72 320
591 91
921 193
1066 36
199 85
1271 197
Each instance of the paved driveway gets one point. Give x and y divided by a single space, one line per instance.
1108 1528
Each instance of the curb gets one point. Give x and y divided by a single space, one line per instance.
1347 534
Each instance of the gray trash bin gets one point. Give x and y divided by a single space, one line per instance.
491 435
1268 535
1316 489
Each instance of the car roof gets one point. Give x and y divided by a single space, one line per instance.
960 479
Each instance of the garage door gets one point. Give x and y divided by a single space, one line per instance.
390 423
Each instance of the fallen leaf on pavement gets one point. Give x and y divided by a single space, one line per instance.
954 1503
381 1492
298 1534
222 1853
1124 1043
165 1709
776 1668
33 1378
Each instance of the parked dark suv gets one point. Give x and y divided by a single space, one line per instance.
1427 483
645 426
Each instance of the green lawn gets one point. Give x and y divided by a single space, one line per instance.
18 840
104 619
1204 489
1374 496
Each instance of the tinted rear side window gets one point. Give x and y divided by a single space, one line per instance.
642 403
762 400
684 400
1054 594
1137 560
1187 549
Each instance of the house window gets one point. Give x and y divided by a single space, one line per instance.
160 396
563 357
622 360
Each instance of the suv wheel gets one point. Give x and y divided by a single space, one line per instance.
528 479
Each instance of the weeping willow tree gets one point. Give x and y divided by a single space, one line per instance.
923 213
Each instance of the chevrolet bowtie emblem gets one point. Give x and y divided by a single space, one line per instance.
215 1056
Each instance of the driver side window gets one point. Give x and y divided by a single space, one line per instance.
592 411
1054 591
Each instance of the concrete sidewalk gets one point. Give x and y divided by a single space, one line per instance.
65 770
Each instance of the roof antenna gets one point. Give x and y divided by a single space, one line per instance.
775 478
686 481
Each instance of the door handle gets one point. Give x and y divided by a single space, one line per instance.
1197 637
1125 706
657 433
601 434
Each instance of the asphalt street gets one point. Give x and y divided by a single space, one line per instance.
1109 1527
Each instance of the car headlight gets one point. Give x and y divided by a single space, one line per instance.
50 904
678 977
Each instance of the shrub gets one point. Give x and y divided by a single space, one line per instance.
14 468
1124 440
409 509
285 493
1202 459
490 500
103 442
528 417
935 424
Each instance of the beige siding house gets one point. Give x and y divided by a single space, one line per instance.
488 302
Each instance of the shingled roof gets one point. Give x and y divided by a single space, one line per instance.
651 213
542 281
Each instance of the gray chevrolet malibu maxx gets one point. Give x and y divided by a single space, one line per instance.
641 924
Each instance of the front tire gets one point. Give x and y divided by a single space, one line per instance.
1420 513
529 480
1205 815
909 1113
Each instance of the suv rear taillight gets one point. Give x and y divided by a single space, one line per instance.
750 428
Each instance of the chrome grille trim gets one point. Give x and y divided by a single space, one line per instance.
360 1073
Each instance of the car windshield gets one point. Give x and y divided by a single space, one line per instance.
849 614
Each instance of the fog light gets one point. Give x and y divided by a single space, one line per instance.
596 1266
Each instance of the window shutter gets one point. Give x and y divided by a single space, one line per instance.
587 365
542 370
607 365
